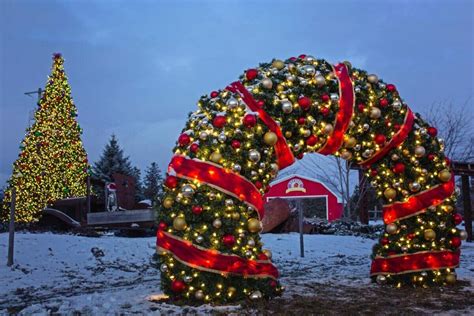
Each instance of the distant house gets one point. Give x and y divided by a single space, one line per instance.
318 200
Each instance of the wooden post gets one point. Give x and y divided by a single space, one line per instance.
300 218
466 196
363 207
11 229
88 199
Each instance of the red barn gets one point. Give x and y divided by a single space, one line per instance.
295 187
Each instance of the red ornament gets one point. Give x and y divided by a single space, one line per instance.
312 140
361 107
301 120
228 240
380 139
302 56
235 144
171 182
214 94
374 172
384 241
448 162
251 74
391 87
399 167
396 127
456 242
431 157
273 283
325 111
162 225
184 139
197 209
304 102
262 256
300 156
457 218
432 131
260 103
325 98
258 184
292 58
178 286
383 102
219 121
194 148
250 120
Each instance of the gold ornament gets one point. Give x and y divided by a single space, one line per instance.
168 202
179 223
267 83
350 142
254 225
390 193
420 151
216 157
280 88
217 223
429 234
231 291
235 216
372 78
270 138
451 278
346 155
328 129
268 253
391 228
199 295
278 64
375 112
444 175
288 134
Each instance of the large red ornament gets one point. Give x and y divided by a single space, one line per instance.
301 120
194 148
325 111
457 218
228 240
325 98
219 121
162 225
399 167
171 182
432 131
273 283
312 140
380 139
178 286
250 120
251 74
302 56
383 102
214 94
431 157
258 184
184 139
304 103
197 209
374 172
456 242
235 144
384 241
361 107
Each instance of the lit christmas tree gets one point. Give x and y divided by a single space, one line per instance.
240 137
52 163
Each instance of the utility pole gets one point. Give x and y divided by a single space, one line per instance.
40 93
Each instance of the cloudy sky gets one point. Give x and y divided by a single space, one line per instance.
137 68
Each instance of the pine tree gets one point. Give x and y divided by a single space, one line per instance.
52 163
136 174
112 161
152 182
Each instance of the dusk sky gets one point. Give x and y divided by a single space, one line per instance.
136 68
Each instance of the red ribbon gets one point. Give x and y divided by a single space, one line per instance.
283 153
346 106
399 264
396 140
220 178
212 260
419 202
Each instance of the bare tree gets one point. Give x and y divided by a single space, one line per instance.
455 126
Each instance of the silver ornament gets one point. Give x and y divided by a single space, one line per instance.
357 89
372 78
463 235
232 103
199 239
217 223
366 153
203 135
164 267
381 279
290 77
357 147
303 82
320 80
187 279
251 242
236 167
309 70
229 202
254 155
382 85
397 105
404 248
334 96
309 59
274 71
286 106
365 127
222 138
267 83
262 165
253 173
248 253
199 295
256 295
187 190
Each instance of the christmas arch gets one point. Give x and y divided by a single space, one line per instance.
241 136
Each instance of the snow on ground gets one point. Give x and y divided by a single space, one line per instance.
69 274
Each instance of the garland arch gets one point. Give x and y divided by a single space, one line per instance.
241 136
